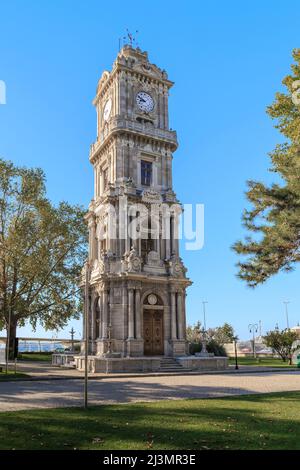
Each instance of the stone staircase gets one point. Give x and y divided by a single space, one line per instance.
169 364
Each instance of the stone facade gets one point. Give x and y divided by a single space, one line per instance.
137 284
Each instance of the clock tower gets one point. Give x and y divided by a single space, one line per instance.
137 281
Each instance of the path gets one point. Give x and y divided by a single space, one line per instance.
40 394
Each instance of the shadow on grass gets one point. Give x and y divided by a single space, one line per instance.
247 422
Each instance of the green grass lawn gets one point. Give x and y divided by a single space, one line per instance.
268 361
11 375
41 357
248 422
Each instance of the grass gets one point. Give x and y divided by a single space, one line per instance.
263 362
11 375
248 422
40 357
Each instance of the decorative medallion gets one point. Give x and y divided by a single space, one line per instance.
152 299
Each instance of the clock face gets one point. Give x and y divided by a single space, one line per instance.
107 110
145 101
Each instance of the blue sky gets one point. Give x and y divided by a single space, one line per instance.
227 60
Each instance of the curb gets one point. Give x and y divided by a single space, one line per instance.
154 374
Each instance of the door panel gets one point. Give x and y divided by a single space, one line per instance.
147 333
153 333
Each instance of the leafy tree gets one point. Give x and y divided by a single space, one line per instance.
281 342
42 250
221 334
193 333
274 218
216 348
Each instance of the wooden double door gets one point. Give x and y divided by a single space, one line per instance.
153 332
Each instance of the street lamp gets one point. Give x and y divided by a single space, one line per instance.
286 302
235 338
253 328
72 333
86 333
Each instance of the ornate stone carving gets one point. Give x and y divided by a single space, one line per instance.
149 195
176 267
152 299
153 259
132 262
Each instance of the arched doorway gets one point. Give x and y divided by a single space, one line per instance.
153 326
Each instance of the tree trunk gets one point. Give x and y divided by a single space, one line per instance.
13 347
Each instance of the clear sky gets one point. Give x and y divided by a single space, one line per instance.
227 60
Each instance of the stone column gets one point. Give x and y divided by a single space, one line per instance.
175 229
130 314
92 239
169 171
105 314
96 192
100 328
184 313
165 224
180 316
166 108
172 234
93 318
83 319
173 317
127 240
138 313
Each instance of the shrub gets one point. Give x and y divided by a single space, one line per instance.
216 348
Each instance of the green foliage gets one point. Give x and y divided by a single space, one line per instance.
42 250
216 338
42 356
195 348
215 348
281 342
221 334
193 333
274 218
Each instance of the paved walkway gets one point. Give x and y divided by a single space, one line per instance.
44 394
45 371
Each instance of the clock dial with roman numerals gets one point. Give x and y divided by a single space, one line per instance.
145 102
107 109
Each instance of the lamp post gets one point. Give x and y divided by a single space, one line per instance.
86 333
204 314
235 338
72 333
253 328
286 302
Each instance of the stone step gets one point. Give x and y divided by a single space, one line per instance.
169 364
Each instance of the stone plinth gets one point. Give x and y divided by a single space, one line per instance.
110 365
63 359
203 363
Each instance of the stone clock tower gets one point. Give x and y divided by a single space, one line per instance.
137 280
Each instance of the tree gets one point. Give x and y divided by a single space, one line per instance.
193 333
274 217
42 250
221 334
281 342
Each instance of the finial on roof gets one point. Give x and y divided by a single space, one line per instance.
129 39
